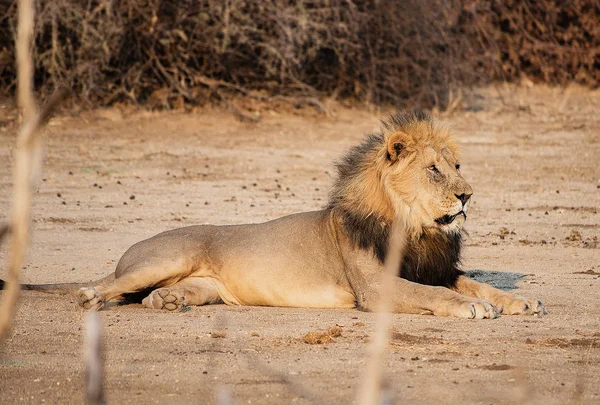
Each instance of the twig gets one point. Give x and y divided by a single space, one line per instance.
27 159
565 98
25 64
23 164
312 102
223 396
580 383
4 230
94 375
242 116
370 392
295 386
61 93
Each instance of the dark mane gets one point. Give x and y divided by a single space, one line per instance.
403 119
432 258
352 164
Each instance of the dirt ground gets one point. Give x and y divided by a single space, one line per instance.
114 177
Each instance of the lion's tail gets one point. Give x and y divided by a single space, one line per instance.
61 288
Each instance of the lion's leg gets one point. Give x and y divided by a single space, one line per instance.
189 291
414 298
506 303
133 279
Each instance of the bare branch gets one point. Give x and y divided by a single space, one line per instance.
94 367
4 230
371 389
27 160
24 62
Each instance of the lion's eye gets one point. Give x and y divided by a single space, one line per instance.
457 166
434 169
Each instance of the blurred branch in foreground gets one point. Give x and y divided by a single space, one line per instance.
27 159
371 387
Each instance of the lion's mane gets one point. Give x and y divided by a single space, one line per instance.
359 200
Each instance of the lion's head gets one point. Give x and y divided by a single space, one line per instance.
409 171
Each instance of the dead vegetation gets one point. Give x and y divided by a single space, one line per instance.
319 338
171 53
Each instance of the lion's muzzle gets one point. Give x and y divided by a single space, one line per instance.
448 219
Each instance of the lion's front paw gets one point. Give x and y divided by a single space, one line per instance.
477 309
523 306
164 298
90 298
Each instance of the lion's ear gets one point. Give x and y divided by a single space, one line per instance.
395 144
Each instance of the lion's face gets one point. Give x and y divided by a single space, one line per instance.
425 178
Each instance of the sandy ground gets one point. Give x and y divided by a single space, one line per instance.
114 177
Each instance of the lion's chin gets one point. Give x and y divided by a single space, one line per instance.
451 223
449 219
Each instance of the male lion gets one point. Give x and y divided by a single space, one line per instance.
332 258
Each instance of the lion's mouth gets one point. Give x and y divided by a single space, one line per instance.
448 219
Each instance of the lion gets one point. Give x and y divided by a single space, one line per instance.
408 171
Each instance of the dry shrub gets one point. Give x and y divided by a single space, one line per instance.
551 41
401 52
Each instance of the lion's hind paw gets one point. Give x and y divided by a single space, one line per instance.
90 298
165 298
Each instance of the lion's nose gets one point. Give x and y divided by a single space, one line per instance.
464 197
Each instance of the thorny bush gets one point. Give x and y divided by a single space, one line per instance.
397 52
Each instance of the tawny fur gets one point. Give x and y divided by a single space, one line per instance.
408 172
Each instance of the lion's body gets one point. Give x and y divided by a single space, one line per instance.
257 264
408 174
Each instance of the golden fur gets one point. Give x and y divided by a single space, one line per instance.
333 258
